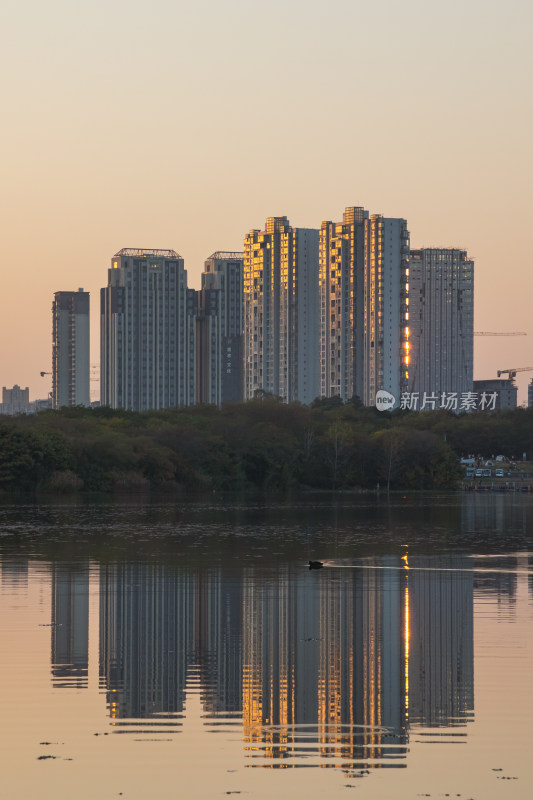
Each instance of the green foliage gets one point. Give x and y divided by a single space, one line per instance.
28 456
260 444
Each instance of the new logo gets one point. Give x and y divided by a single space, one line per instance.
385 401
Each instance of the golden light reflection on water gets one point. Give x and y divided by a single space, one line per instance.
405 558
350 670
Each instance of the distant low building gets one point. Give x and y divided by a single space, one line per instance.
505 390
42 404
15 400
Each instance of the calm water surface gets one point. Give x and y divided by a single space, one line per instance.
184 650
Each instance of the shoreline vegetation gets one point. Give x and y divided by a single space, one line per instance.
262 444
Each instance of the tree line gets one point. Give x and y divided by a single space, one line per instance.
261 444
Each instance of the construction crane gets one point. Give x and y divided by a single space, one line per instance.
500 333
512 372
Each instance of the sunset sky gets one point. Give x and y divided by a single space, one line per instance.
183 125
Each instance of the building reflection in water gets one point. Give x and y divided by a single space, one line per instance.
218 641
14 573
333 667
70 625
146 636
326 663
441 651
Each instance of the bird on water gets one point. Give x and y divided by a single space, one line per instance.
315 564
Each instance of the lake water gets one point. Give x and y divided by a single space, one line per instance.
184 649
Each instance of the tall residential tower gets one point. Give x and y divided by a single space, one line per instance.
364 297
147 336
223 272
441 322
70 349
281 311
341 269
386 331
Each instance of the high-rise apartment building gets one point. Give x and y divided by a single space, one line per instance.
147 334
363 306
441 322
386 333
223 273
70 349
281 311
207 343
342 258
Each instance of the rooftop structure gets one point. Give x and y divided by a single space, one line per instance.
140 252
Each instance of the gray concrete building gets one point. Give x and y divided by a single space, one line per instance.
207 344
441 321
70 349
281 311
223 272
147 332
505 390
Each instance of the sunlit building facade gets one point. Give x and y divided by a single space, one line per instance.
364 314
342 256
386 316
441 321
281 311
147 332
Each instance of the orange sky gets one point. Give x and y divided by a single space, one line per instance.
173 125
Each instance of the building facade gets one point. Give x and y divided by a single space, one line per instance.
15 400
341 269
147 334
281 312
504 390
364 318
441 322
386 308
70 349
223 272
207 344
